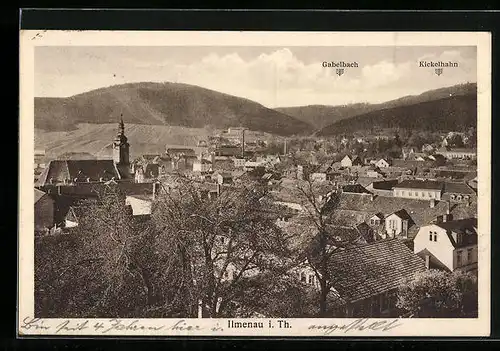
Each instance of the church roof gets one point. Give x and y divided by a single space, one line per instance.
61 170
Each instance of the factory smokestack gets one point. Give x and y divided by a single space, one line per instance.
243 143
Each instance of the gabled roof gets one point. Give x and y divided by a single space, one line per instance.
402 214
420 184
354 208
379 216
371 269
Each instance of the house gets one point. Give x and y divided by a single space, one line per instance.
239 162
458 192
458 154
373 173
382 187
377 219
228 150
354 209
397 224
367 277
44 211
383 163
224 178
419 189
449 244
140 204
179 152
251 165
202 165
146 173
351 161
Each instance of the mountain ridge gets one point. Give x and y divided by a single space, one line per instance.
173 104
320 116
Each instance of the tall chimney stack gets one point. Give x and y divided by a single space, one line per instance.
243 143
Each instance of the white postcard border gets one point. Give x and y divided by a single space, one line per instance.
210 327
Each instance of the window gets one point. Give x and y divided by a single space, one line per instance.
311 279
421 194
411 193
430 236
469 255
435 236
459 258
303 277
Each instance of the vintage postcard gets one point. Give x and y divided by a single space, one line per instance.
254 184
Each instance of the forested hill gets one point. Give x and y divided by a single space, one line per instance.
321 116
451 113
167 104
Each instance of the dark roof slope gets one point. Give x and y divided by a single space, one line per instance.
420 184
460 188
372 269
385 184
355 188
61 170
467 228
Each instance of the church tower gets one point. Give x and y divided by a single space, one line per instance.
121 150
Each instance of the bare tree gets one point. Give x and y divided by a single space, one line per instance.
221 242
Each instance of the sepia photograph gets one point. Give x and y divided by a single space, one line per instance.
254 185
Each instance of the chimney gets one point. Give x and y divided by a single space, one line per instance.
447 207
432 203
427 261
284 148
218 189
372 197
243 143
59 190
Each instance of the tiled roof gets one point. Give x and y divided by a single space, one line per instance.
371 269
420 184
60 170
460 188
385 184
355 188
355 209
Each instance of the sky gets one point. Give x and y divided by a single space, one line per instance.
272 76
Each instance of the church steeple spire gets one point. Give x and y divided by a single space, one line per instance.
121 145
121 126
